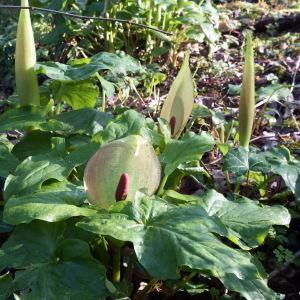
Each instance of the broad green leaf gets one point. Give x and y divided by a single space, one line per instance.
22 118
250 289
25 60
82 154
245 219
173 237
55 164
35 142
275 92
191 147
82 121
180 99
107 86
4 228
33 171
247 98
247 222
234 89
52 203
201 111
210 32
239 161
8 162
5 285
77 94
52 266
283 164
116 64
133 156
81 3
236 161
128 123
258 162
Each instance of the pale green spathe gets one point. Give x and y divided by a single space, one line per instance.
26 78
132 155
180 100
247 99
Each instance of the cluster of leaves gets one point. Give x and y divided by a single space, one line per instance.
62 38
170 234
60 246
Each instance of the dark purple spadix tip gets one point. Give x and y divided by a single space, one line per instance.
122 188
173 124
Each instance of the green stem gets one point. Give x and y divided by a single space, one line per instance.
158 15
226 174
103 100
248 178
149 23
116 272
162 185
237 188
58 108
183 282
206 171
103 93
100 249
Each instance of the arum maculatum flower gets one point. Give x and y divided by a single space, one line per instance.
122 188
26 78
247 98
121 168
178 106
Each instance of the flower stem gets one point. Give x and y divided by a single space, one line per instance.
162 185
116 272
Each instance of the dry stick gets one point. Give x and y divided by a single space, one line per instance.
274 136
71 15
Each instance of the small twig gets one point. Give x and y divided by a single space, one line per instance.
274 136
71 15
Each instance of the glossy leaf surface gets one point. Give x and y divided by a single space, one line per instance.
52 203
51 264
176 237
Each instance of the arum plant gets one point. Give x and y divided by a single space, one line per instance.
179 103
115 173
121 168
26 78
247 98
